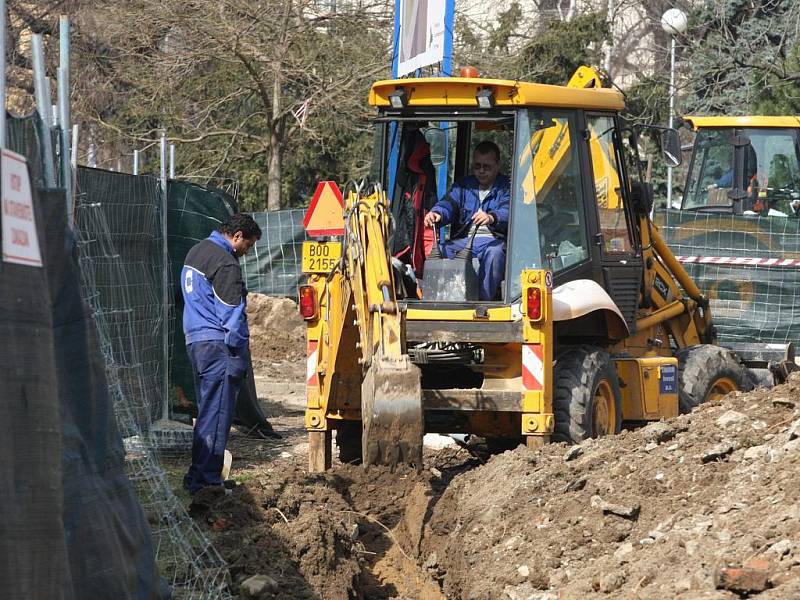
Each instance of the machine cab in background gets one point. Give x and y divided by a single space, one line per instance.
568 187
745 165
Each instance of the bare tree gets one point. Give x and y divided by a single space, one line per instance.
237 83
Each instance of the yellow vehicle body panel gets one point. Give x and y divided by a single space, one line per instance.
459 91
642 384
747 121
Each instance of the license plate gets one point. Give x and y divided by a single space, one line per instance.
320 257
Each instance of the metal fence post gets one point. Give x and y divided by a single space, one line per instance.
3 71
75 131
165 280
44 106
64 116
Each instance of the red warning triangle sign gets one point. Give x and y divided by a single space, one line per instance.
325 214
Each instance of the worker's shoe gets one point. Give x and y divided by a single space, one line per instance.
266 430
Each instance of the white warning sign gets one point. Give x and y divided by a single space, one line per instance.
20 241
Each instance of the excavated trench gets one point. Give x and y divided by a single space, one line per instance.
349 533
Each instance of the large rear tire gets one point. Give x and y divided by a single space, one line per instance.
348 440
586 395
707 372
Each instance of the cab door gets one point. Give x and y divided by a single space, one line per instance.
617 239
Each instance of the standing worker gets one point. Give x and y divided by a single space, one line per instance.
217 340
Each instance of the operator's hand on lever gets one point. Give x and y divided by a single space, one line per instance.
432 218
482 218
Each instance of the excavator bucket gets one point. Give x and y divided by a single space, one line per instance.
391 410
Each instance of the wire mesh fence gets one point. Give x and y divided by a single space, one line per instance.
119 248
748 266
274 265
127 284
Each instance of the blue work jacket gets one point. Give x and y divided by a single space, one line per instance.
458 206
214 294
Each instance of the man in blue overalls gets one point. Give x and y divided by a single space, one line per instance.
480 200
217 340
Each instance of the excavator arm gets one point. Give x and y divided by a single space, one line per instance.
677 303
361 342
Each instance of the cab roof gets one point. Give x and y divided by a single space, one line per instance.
751 121
460 91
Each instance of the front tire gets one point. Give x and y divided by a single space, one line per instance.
707 373
586 395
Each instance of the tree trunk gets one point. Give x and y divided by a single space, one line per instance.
274 174
275 139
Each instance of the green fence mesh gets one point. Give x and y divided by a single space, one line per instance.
193 213
128 208
24 135
273 267
748 266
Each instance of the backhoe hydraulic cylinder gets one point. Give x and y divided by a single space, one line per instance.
676 268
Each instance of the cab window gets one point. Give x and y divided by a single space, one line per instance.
711 175
773 182
608 186
548 223
434 158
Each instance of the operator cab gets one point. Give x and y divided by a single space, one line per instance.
569 208
745 165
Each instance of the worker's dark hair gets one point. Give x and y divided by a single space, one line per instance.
487 147
241 222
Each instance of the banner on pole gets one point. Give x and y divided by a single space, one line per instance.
421 36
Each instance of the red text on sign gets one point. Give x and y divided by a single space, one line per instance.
19 237
17 210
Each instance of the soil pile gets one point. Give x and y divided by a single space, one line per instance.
667 511
701 506
277 337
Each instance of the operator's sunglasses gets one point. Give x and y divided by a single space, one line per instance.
482 166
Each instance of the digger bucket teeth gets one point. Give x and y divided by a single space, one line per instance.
391 396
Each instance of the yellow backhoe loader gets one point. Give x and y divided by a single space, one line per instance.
595 323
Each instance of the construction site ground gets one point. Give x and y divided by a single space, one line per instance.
701 506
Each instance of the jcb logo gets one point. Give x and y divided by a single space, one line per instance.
187 282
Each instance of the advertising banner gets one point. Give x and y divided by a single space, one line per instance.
421 34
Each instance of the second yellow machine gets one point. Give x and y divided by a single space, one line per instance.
595 322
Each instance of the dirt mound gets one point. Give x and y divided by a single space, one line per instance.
671 510
277 337
660 512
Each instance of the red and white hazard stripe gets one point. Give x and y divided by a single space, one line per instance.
532 367
311 363
744 261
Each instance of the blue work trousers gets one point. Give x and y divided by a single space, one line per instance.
491 254
218 376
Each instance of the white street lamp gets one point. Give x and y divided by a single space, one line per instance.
674 22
